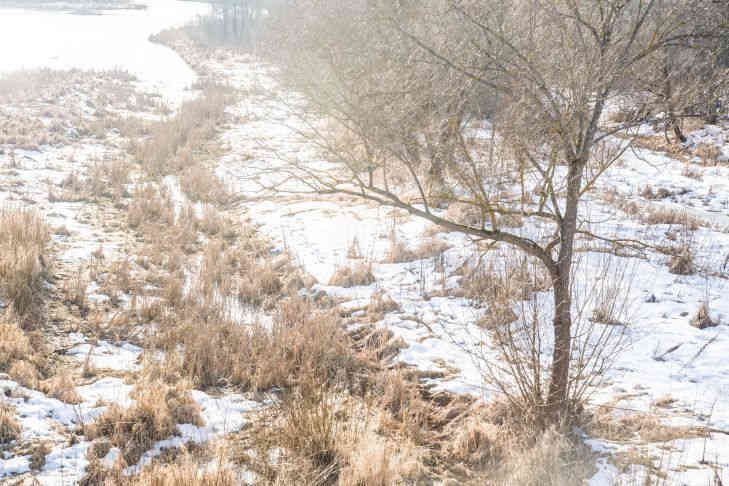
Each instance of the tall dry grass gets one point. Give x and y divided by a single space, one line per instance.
24 238
180 141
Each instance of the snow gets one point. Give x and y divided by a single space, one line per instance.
441 330
663 355
105 355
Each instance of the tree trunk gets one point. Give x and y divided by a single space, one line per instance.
557 398
562 324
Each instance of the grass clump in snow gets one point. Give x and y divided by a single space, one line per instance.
702 319
157 410
21 355
9 426
353 276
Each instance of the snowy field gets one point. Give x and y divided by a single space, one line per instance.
668 372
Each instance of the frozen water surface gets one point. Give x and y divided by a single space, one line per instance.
110 39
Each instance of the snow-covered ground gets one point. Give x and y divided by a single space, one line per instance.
668 369
665 359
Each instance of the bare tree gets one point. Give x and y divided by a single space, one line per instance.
497 105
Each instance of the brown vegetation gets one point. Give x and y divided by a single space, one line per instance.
179 142
352 276
157 410
24 237
9 427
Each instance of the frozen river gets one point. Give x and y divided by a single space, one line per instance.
113 39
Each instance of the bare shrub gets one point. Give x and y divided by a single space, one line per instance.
9 427
352 276
157 410
510 359
23 240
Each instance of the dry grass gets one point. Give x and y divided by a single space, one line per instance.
157 410
62 388
702 319
643 426
74 290
175 144
24 237
22 355
331 438
554 460
184 473
518 280
352 276
380 304
399 252
9 427
38 456
301 340
431 248
500 313
201 184
150 205
14 345
670 216
683 254
463 213
708 153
